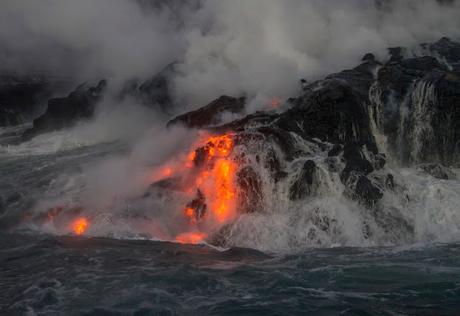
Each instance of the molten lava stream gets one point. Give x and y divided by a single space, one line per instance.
223 204
215 185
216 180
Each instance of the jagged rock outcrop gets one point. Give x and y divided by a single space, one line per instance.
446 50
341 131
64 112
21 98
210 114
334 109
334 149
154 92
416 104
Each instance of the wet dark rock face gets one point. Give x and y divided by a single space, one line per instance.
436 171
334 109
304 186
363 190
64 112
250 190
447 49
416 104
355 174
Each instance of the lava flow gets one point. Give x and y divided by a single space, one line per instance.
214 183
210 174
79 226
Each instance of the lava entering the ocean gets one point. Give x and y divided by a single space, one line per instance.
191 238
215 181
210 178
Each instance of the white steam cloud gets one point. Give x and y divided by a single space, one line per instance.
225 47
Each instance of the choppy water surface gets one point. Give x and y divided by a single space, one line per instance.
69 275
48 272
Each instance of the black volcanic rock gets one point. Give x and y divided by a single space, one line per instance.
283 139
366 192
335 151
256 119
396 54
22 97
346 125
210 114
9 117
355 162
154 92
447 50
412 101
334 109
416 104
64 112
369 57
250 190
359 164
304 186
437 171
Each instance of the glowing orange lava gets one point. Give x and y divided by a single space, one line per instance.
220 146
216 181
208 175
223 204
191 238
190 159
190 214
80 225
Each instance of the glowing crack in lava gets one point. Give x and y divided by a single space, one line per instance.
80 225
211 179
